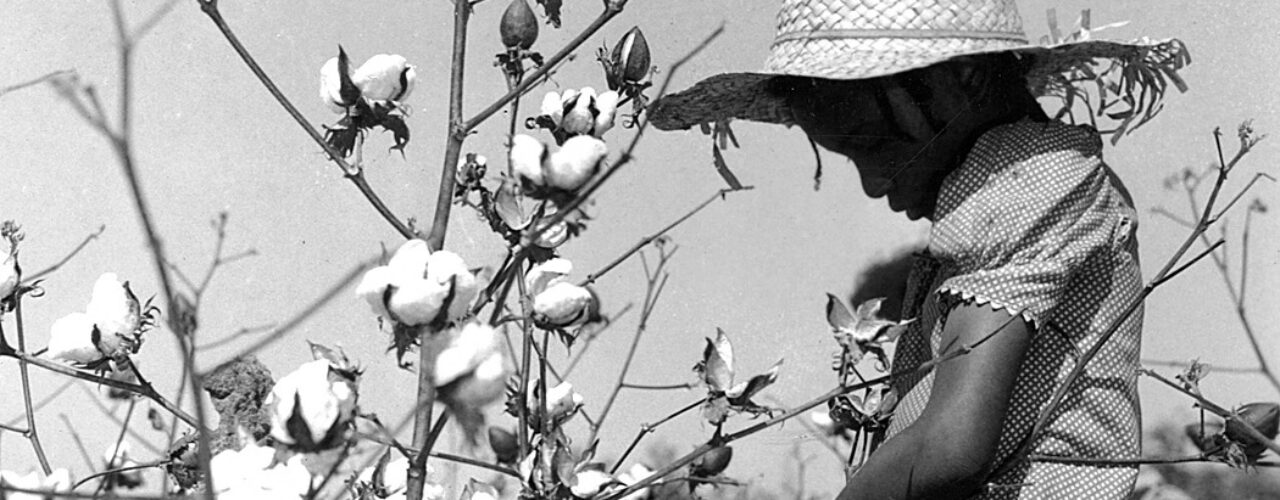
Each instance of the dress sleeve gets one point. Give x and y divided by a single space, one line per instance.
1032 205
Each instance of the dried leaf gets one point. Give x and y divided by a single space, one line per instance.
741 393
552 9
722 168
717 363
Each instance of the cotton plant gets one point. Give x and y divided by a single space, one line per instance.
108 332
370 96
312 408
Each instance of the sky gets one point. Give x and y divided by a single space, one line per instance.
209 139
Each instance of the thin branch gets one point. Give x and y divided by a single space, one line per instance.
1247 187
1213 368
47 77
58 265
647 429
124 386
352 173
656 282
115 449
31 434
118 470
1174 273
75 438
650 239
96 399
301 317
1201 458
48 398
586 344
668 387
456 135
1247 427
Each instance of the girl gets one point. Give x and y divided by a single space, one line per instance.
1033 235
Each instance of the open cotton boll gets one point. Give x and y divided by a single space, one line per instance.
575 163
385 77
553 107
606 108
57 481
71 339
331 86
9 277
563 401
446 267
467 348
578 117
114 308
307 406
527 158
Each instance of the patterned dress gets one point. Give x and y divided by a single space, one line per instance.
1034 223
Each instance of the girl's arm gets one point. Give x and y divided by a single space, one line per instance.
947 452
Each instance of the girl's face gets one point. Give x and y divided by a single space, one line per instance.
903 147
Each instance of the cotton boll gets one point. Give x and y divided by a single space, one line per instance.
71 340
528 156
114 308
384 77
307 406
331 86
576 162
606 108
562 305
579 118
553 107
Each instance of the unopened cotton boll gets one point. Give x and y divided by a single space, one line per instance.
563 305
385 77
575 163
71 339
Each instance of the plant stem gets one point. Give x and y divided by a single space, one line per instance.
31 433
656 282
649 239
428 351
457 133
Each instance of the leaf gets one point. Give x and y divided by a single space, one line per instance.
399 130
741 393
722 168
717 363
838 316
552 9
347 90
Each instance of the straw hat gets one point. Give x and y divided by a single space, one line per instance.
856 39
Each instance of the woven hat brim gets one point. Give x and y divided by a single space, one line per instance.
745 96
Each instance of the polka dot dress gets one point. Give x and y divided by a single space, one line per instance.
1034 223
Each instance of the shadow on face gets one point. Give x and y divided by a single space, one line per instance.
906 132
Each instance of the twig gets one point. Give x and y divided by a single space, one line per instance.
526 328
1174 273
124 386
647 429
28 280
50 76
1214 368
48 398
586 344
148 465
1137 461
95 398
75 438
668 387
352 173
1216 409
115 450
426 396
31 433
655 283
301 317
650 239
